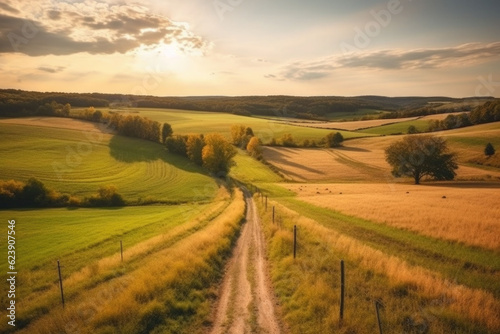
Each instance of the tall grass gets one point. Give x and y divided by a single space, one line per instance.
168 289
308 287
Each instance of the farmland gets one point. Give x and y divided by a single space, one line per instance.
209 122
79 162
428 253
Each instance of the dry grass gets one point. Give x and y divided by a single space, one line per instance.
469 213
353 125
363 159
437 295
57 122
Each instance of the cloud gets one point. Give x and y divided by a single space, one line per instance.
421 59
93 27
8 8
51 69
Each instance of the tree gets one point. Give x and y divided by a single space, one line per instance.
166 131
288 141
412 129
489 150
194 148
241 135
254 148
97 116
419 156
334 139
217 154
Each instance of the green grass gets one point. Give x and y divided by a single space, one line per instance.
397 128
67 161
358 114
249 170
46 235
186 122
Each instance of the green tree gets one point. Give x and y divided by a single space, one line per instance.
489 150
217 154
194 148
334 139
419 156
166 131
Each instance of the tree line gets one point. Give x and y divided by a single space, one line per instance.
486 113
15 103
34 194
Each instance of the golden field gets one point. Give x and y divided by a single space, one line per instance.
469 213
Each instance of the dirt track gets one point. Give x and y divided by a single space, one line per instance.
246 304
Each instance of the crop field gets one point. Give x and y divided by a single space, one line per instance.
186 122
468 213
79 162
363 159
354 125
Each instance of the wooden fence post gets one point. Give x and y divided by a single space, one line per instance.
273 214
378 306
60 282
342 290
294 241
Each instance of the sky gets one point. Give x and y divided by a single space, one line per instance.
252 47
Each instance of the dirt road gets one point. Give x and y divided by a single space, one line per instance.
246 304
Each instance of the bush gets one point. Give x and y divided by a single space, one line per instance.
489 150
107 196
334 139
177 145
288 141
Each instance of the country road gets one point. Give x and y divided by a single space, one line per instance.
246 303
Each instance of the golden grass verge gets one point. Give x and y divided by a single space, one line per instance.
476 305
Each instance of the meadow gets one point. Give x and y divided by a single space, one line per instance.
79 162
212 122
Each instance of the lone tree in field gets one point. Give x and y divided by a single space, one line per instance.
217 154
489 150
419 156
334 139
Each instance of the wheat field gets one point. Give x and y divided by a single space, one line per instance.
468 213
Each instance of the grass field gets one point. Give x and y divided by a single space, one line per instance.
79 162
87 243
429 253
363 159
397 128
421 282
342 116
186 122
434 262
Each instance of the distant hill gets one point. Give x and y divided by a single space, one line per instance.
18 103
